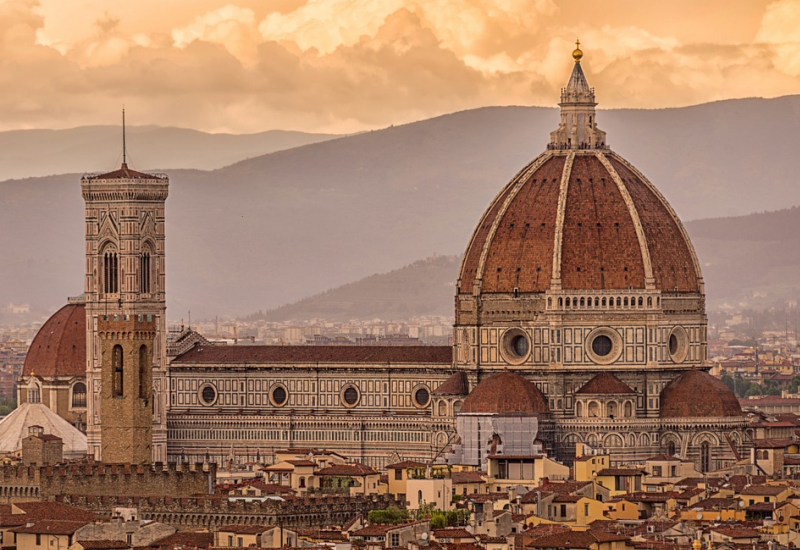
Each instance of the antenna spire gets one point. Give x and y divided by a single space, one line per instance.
124 147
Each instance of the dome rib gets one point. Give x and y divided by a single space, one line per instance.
516 185
560 214
696 285
649 280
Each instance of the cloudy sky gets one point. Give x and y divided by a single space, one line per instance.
350 65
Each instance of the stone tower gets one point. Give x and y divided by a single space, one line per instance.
125 307
126 382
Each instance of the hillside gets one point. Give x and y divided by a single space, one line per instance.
425 287
758 250
31 153
281 227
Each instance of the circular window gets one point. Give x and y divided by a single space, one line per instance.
422 397
678 345
279 396
515 346
208 394
603 345
350 396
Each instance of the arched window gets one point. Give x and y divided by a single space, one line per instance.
579 409
34 393
611 409
302 483
456 407
442 408
144 392
569 302
671 448
594 409
640 301
79 395
117 371
110 271
705 457
583 302
625 303
628 409
144 272
597 302
649 302
604 302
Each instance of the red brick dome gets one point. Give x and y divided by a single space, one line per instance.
505 393
586 219
59 348
697 394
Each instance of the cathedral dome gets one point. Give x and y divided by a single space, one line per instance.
697 394
579 217
59 348
505 393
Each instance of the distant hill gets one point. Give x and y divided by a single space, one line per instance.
749 259
281 227
31 153
425 287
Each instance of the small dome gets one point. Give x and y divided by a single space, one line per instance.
59 348
505 393
697 394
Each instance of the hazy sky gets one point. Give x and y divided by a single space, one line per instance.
348 65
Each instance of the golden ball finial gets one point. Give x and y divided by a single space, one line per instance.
577 54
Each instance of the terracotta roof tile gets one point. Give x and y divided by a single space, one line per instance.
679 399
316 354
605 383
505 393
457 384
59 348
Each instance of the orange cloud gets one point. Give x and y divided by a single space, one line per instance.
347 65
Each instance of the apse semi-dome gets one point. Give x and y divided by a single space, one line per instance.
59 348
697 394
579 217
505 393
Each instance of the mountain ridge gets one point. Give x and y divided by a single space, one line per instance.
275 228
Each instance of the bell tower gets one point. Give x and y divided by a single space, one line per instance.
126 311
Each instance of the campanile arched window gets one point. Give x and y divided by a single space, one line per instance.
117 371
145 271
110 271
144 392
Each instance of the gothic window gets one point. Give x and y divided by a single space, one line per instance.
110 271
143 368
145 272
705 457
117 371
79 395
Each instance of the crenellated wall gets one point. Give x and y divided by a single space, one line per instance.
99 479
215 511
